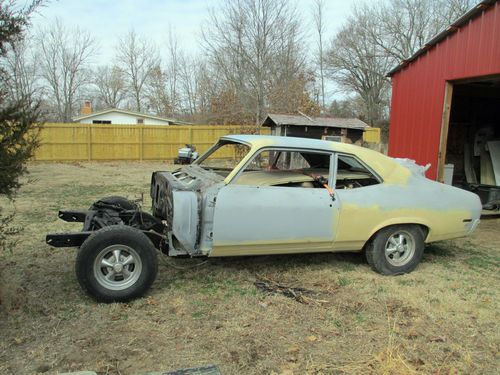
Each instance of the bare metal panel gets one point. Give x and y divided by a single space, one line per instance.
273 217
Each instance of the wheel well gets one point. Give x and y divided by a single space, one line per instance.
423 228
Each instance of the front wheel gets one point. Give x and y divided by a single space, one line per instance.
116 264
396 250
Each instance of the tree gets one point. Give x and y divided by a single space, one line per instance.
172 71
318 13
190 71
110 84
22 72
359 65
18 138
65 55
345 108
138 58
403 26
293 97
255 44
209 87
377 37
157 94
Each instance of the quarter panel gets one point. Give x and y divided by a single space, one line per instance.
441 208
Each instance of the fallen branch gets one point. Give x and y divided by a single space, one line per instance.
301 295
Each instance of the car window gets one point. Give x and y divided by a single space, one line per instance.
351 174
224 157
286 168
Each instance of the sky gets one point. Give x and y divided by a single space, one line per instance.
106 20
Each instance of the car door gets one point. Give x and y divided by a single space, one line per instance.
276 209
364 201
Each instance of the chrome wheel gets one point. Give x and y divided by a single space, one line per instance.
117 267
400 248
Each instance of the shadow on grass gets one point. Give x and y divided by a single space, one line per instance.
440 250
244 268
271 263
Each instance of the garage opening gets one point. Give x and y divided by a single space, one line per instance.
470 144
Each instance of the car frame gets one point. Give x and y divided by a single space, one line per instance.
341 197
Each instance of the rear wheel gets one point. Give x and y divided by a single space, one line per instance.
116 264
396 250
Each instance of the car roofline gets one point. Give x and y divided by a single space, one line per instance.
386 167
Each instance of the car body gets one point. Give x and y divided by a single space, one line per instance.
259 215
256 195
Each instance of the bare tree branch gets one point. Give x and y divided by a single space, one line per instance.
318 16
255 44
137 57
64 58
110 84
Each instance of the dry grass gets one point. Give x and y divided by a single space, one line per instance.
441 319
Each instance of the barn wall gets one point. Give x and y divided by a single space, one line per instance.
418 90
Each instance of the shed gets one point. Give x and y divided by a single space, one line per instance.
446 101
122 117
347 130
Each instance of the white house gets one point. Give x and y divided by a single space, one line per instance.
122 117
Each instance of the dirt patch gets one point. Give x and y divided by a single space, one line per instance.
440 319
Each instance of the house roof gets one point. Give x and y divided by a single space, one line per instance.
131 113
463 20
302 120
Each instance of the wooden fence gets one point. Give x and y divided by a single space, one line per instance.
99 142
74 142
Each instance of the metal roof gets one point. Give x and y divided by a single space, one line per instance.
131 113
303 120
463 20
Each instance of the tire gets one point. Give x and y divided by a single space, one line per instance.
116 200
101 276
396 250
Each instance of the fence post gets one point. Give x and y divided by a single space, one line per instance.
141 143
190 134
89 142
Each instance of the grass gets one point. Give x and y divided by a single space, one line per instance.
440 319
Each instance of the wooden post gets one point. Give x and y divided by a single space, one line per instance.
141 142
445 123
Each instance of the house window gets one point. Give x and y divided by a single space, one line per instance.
140 121
334 138
101 122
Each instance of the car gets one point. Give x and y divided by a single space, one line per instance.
256 195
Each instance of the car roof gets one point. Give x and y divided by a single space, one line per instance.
384 166
294 142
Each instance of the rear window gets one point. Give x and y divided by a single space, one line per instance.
351 174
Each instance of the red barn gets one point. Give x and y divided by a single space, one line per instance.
446 100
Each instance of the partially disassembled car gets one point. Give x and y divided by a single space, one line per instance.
253 195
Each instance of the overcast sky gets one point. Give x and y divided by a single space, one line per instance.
108 19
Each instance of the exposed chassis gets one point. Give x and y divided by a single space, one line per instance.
103 214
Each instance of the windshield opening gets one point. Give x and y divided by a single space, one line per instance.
224 157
